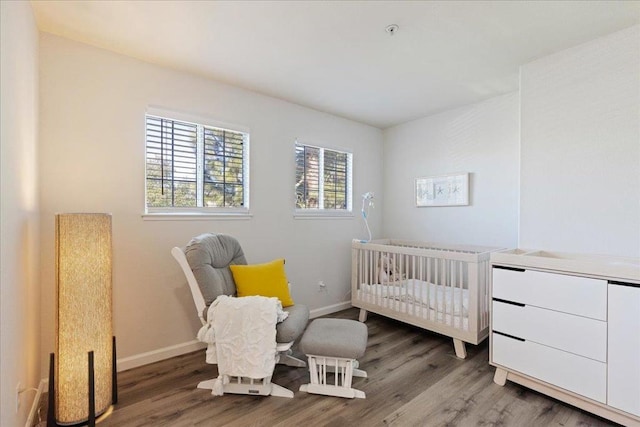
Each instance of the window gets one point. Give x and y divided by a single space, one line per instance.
323 179
195 168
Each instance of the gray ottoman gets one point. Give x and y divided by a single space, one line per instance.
332 346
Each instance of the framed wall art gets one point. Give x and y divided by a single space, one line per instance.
443 190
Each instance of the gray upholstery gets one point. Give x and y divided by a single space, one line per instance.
294 324
335 337
209 256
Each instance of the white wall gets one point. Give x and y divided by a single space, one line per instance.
481 139
92 149
580 177
19 293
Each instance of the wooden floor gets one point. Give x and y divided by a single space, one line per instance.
414 379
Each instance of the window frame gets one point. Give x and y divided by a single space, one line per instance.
180 213
326 213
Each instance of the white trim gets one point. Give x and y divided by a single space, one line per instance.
157 355
194 118
320 178
153 356
44 384
127 363
206 210
350 182
246 170
334 308
323 214
325 146
194 216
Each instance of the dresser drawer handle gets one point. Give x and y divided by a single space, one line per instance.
633 285
509 336
504 301
502 267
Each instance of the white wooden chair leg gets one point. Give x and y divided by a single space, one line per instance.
207 385
279 391
343 370
500 377
460 349
262 387
363 315
359 373
289 360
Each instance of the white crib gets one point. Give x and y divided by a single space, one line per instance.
442 288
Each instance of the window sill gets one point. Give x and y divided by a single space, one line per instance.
319 214
195 216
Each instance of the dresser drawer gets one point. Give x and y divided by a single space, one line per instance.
578 374
579 335
569 294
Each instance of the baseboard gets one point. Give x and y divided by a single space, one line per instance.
44 383
323 311
188 347
153 356
125 364
142 359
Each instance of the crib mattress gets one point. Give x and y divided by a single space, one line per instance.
420 311
441 299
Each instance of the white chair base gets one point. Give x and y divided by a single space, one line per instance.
285 356
289 360
343 371
240 385
259 387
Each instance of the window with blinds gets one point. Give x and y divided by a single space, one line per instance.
195 167
323 179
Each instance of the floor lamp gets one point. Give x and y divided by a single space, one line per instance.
82 372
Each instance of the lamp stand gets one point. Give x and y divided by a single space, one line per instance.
91 421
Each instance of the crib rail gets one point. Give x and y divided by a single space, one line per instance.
444 288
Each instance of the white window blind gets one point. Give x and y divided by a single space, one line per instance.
195 167
323 179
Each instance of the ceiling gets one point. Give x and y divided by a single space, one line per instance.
335 56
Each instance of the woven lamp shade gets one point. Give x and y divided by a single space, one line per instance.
83 279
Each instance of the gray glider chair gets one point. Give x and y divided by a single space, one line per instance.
205 262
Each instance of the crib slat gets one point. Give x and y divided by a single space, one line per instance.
473 297
429 280
461 280
436 282
413 275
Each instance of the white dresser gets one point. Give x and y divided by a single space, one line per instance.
569 326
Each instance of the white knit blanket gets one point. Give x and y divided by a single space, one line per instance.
242 334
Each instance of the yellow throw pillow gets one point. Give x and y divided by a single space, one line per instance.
268 280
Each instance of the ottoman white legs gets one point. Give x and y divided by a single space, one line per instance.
332 346
343 369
